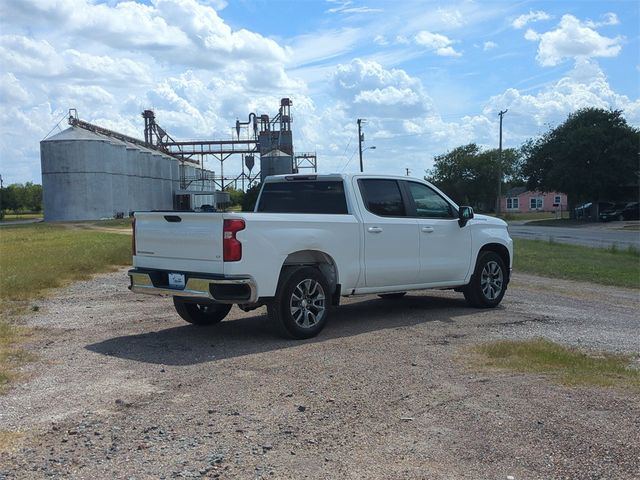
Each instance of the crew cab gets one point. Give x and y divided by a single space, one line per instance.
313 239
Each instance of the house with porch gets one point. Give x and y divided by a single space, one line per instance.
520 200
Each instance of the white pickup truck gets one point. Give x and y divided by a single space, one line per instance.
313 239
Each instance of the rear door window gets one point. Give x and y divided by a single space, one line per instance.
382 197
297 196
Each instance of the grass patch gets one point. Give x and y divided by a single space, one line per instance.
9 440
616 267
566 365
38 257
21 216
113 223
531 216
10 355
35 258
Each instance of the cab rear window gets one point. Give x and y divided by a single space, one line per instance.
323 196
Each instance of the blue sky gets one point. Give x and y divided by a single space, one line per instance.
428 76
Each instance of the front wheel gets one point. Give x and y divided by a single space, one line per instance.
488 283
201 313
301 306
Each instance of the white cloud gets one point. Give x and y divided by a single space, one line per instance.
88 94
448 52
11 91
380 40
489 45
180 31
213 37
388 96
436 42
608 19
20 54
367 87
572 39
432 40
530 17
103 68
586 85
323 45
345 7
451 18
38 58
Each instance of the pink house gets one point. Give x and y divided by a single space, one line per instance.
519 200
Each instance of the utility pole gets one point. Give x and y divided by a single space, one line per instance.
499 202
408 171
360 138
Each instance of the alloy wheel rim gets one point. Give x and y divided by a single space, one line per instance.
491 280
307 304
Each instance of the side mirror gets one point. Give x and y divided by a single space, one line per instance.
464 215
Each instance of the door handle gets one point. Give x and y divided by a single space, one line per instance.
427 229
374 229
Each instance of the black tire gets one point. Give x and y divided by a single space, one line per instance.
488 283
302 303
392 296
201 313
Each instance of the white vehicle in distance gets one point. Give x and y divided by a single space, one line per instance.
313 239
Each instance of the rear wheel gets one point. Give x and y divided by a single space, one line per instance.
301 306
201 313
488 283
392 296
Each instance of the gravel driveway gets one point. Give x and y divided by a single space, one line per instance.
124 389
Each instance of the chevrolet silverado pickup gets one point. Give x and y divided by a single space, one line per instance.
313 239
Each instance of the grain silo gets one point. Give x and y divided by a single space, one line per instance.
89 176
275 162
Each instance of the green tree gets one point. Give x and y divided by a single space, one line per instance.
470 175
250 197
32 197
22 198
235 195
10 200
592 156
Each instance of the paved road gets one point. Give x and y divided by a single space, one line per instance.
597 235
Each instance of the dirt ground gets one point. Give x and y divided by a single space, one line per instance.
122 388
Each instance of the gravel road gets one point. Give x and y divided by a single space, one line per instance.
122 388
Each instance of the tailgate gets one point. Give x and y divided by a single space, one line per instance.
181 241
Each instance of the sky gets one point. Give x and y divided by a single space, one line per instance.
426 75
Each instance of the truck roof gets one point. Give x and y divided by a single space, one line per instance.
333 176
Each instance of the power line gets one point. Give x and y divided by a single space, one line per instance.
344 154
349 161
57 125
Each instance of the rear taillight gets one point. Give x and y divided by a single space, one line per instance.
133 236
231 246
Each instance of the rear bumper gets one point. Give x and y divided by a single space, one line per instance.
212 288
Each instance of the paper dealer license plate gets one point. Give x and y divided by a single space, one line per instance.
176 280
